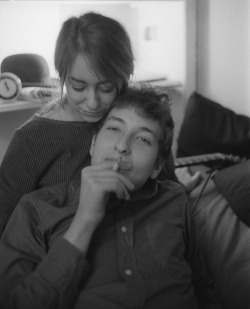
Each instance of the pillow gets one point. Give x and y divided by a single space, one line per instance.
234 184
209 127
224 242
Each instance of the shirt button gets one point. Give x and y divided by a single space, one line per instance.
124 229
128 272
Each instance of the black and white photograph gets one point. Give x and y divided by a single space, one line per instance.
124 154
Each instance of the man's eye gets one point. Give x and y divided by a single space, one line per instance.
143 140
113 129
107 90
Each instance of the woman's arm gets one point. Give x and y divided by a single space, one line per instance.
18 176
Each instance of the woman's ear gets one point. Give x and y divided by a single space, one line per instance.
92 145
157 169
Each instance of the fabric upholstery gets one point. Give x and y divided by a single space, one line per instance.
209 127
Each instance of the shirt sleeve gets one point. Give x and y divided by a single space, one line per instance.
207 297
18 176
31 276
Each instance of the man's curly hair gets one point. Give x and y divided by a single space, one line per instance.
152 103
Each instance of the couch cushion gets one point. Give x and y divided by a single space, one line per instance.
234 184
224 241
209 127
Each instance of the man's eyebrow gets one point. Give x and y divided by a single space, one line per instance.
147 130
113 118
139 129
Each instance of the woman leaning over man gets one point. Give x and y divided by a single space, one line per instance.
94 60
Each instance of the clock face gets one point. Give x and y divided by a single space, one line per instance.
10 86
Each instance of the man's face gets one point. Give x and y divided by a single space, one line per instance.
131 138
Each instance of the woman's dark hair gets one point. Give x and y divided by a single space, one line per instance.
103 41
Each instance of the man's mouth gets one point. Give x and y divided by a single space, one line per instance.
120 164
116 164
124 166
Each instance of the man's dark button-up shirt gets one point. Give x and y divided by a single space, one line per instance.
141 255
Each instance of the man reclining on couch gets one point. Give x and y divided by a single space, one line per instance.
117 239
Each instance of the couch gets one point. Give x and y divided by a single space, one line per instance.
222 211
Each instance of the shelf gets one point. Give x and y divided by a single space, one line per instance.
168 84
19 105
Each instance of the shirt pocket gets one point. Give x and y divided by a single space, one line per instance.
167 248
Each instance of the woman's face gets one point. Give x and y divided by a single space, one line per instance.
89 96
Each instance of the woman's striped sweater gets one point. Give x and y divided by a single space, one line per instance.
42 152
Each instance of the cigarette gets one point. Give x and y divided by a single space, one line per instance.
116 164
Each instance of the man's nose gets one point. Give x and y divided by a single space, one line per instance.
123 145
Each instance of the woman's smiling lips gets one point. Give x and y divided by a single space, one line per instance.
93 114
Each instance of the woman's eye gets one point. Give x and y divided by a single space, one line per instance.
106 89
78 88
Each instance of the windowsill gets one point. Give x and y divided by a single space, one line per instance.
29 104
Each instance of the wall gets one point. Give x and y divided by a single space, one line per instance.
223 52
160 40
28 27
33 26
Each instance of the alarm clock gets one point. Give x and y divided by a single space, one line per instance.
10 86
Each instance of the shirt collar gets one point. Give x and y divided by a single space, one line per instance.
149 190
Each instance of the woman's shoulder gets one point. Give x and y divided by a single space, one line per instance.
54 111
53 121
40 126
33 124
38 130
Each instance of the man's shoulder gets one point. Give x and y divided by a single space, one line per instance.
172 192
169 185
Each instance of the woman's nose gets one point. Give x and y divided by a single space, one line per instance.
92 99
